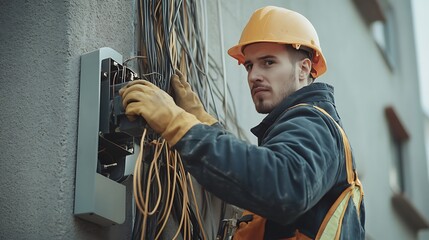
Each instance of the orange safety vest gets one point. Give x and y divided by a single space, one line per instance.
331 224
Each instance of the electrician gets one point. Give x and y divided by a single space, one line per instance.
300 181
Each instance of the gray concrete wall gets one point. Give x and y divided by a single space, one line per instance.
41 44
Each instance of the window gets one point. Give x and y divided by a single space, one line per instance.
400 137
379 17
414 219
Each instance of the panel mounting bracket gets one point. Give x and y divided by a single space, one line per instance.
98 197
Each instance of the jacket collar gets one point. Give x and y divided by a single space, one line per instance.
315 92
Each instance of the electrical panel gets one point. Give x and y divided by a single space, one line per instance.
116 132
107 146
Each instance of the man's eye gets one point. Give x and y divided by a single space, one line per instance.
248 67
268 62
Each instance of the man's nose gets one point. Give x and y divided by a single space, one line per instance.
254 75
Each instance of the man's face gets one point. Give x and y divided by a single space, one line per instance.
271 74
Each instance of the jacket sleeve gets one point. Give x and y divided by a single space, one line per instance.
296 164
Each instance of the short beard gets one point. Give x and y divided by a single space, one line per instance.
264 109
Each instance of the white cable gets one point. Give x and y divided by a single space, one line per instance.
206 49
222 46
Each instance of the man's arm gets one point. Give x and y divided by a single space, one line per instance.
297 163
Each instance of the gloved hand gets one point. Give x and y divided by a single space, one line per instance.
188 100
142 98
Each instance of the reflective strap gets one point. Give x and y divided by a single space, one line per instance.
355 190
357 194
347 149
356 198
331 225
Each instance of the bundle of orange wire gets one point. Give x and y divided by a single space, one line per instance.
175 175
169 38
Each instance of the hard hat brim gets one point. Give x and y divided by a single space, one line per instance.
319 61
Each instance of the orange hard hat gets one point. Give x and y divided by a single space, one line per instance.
280 25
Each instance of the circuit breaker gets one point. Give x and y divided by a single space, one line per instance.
106 149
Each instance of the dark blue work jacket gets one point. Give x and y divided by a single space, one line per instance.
292 178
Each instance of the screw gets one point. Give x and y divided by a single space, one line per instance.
105 166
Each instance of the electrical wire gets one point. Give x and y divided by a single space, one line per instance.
225 96
171 37
175 174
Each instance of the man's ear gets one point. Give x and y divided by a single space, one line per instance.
305 69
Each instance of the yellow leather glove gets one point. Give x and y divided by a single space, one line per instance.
142 98
188 100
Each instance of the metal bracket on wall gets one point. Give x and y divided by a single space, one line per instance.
105 154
